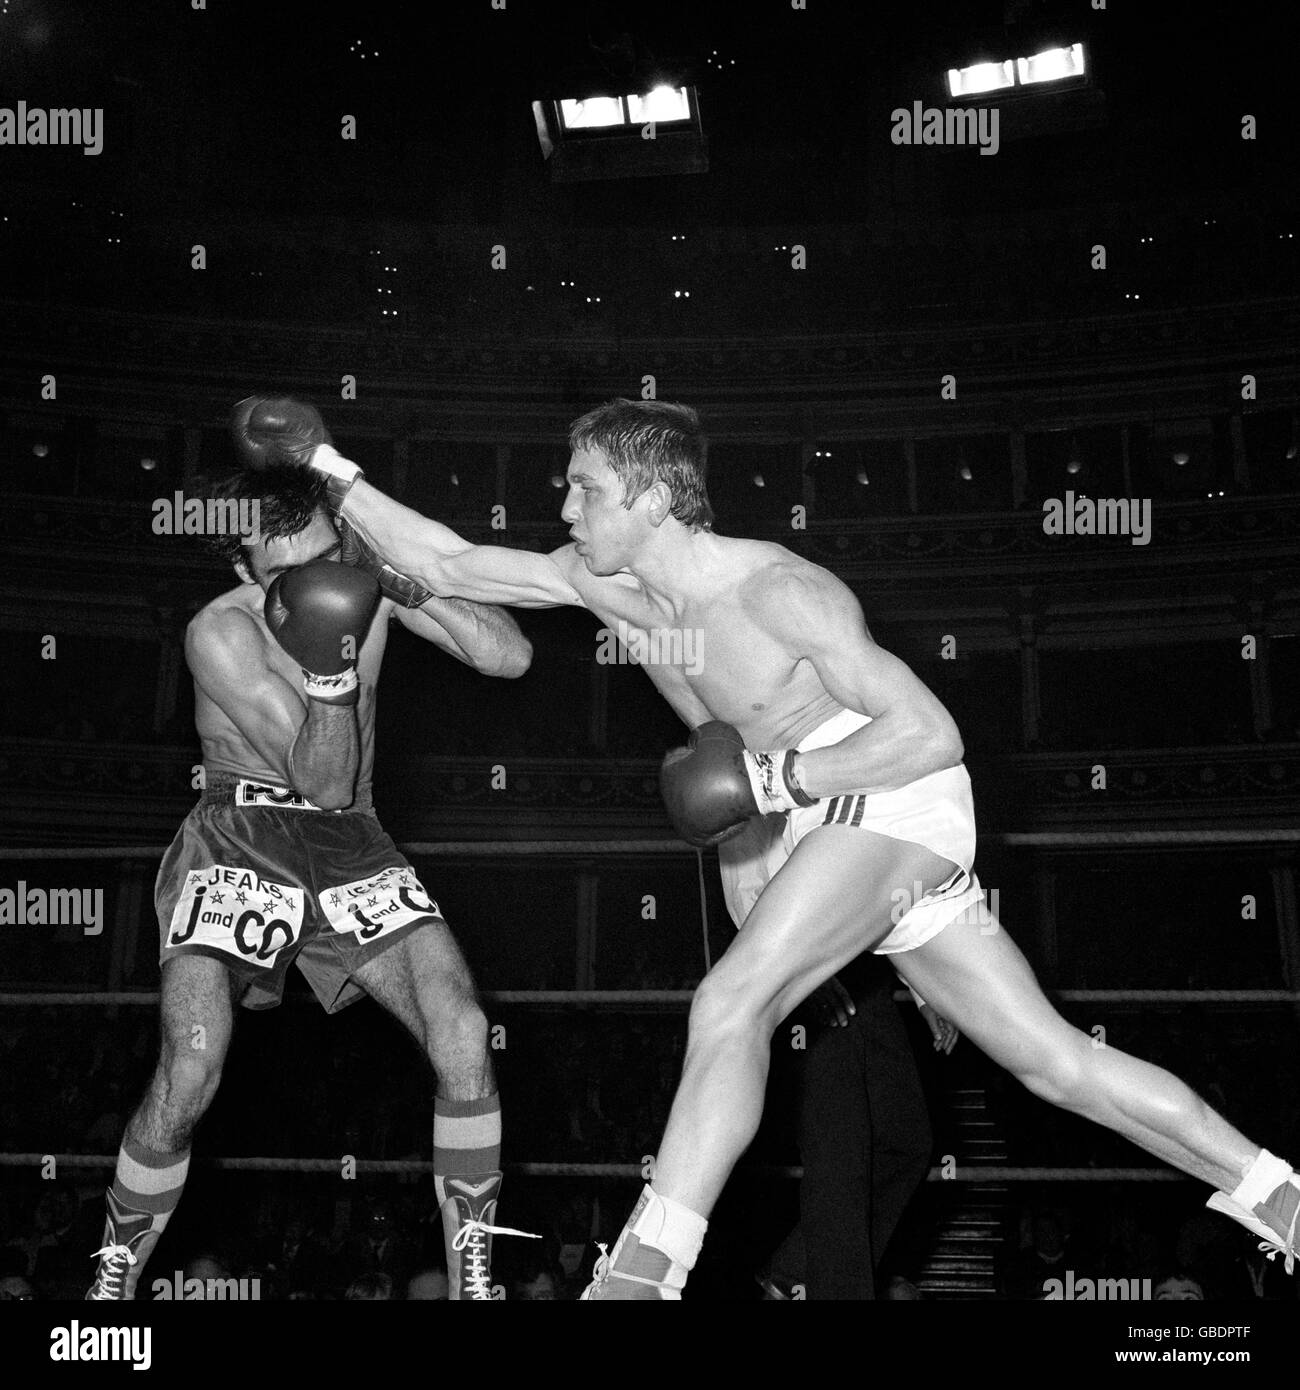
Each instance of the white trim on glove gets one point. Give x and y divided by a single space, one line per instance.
771 779
324 687
327 459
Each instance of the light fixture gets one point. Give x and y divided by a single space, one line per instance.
1063 64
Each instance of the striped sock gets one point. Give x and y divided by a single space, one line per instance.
466 1139
146 1189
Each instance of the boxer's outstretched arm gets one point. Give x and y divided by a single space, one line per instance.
910 735
448 564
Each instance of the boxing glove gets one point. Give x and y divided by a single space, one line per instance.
393 584
279 432
713 786
319 613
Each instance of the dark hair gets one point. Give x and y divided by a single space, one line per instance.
287 501
368 1286
648 442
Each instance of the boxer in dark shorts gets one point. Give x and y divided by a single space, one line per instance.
258 878
283 860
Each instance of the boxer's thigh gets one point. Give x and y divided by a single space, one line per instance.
197 1009
423 979
974 975
836 896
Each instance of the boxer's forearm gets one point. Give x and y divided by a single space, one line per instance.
441 560
325 755
891 751
414 544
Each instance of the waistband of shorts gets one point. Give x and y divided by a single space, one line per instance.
254 793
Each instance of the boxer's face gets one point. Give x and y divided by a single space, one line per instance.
608 534
267 560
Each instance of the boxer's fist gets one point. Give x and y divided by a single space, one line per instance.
706 786
320 614
270 431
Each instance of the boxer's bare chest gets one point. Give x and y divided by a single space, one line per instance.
713 658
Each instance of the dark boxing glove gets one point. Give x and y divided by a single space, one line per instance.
713 786
279 432
311 612
359 553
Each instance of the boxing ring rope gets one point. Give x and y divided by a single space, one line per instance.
1043 839
682 997
991 1174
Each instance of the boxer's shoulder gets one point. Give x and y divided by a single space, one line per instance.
773 577
226 626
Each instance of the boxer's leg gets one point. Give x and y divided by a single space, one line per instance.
979 979
424 982
196 1024
832 899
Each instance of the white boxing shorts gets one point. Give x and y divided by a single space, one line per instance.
936 811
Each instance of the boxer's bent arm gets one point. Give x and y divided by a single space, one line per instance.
479 634
435 556
316 751
325 755
911 734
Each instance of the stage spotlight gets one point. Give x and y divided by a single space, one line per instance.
1052 65
981 77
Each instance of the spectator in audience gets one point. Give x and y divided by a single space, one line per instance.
1179 1288
542 1288
427 1286
369 1288
380 1248
1046 1256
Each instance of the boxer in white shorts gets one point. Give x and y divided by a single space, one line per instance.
760 652
935 811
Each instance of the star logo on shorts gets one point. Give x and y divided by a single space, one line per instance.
334 899
218 897
373 902
241 897
269 905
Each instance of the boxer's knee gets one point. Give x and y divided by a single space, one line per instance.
453 1024
1058 1073
184 1085
722 1011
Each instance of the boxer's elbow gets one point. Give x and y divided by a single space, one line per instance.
330 794
944 745
512 662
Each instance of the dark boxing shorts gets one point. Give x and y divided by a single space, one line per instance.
257 877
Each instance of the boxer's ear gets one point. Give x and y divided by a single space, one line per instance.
659 505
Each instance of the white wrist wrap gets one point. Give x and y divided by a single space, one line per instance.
771 781
327 459
322 687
